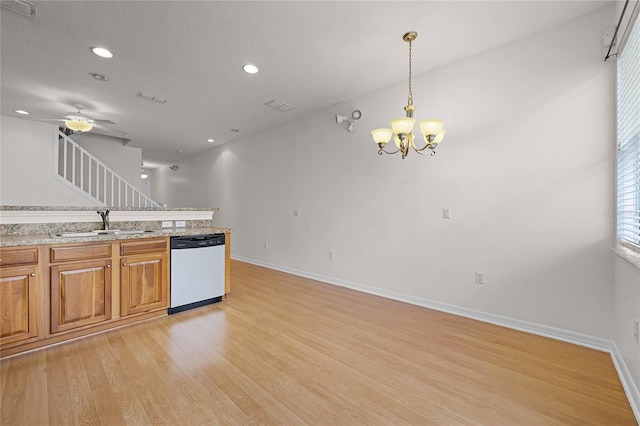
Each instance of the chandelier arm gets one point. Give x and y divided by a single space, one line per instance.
381 150
419 150
431 153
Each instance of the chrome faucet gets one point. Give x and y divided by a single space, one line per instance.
105 218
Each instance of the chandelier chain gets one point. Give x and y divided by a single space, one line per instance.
410 63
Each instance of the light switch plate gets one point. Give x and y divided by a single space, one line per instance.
180 224
167 224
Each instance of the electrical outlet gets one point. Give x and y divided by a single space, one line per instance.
479 277
635 330
296 213
180 224
330 255
446 213
167 224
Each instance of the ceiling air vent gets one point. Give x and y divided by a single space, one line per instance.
279 105
151 98
21 7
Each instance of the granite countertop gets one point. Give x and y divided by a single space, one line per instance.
35 239
89 208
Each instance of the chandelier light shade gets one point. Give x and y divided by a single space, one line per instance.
401 129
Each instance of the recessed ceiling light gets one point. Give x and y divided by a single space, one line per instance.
99 77
250 69
102 52
210 140
234 130
22 112
179 151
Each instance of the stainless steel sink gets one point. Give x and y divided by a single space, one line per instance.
99 232
106 231
132 231
74 234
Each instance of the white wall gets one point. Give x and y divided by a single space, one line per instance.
174 188
26 158
527 169
125 161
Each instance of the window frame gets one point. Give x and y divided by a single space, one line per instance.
628 140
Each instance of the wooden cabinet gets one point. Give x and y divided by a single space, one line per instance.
18 295
144 276
53 293
143 283
80 289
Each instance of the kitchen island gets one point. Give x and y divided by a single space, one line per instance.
56 288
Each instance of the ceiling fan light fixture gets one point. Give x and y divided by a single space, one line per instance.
102 52
78 125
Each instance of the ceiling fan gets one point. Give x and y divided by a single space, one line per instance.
80 122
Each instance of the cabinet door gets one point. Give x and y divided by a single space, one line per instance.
18 304
143 283
80 294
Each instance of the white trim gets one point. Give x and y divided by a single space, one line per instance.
568 336
627 254
61 216
627 380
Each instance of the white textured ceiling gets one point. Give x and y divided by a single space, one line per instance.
311 54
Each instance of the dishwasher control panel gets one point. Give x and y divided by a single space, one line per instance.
195 241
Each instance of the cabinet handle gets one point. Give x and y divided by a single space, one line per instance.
33 274
124 264
108 266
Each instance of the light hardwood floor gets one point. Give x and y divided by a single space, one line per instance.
286 350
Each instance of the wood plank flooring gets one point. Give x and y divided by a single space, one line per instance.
287 350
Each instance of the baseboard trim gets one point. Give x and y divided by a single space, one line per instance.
627 381
568 336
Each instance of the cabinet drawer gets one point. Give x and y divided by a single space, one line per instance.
80 252
19 256
143 246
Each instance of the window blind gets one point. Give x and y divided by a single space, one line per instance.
628 208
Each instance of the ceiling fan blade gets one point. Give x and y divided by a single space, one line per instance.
56 114
104 122
47 119
108 129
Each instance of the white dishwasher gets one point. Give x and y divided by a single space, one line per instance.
197 271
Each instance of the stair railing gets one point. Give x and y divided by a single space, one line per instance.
76 168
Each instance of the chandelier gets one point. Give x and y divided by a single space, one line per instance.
402 127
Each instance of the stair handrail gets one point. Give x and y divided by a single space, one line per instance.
129 190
